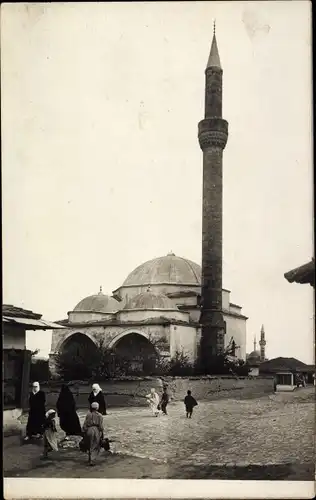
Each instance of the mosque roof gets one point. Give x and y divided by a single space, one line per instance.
254 357
169 269
98 303
150 300
254 354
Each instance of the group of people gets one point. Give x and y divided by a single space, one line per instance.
159 404
42 423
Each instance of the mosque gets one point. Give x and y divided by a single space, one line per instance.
170 304
156 307
256 357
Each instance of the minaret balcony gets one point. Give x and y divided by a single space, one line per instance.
213 132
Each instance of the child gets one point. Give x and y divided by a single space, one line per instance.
164 401
50 433
153 401
190 403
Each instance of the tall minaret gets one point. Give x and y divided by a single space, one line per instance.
213 134
262 344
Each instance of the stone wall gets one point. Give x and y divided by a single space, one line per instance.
11 421
133 391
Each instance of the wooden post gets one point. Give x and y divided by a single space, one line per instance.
25 383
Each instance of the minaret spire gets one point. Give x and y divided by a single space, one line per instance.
262 344
254 343
213 134
214 60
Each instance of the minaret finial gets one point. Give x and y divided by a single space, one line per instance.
254 343
213 60
100 289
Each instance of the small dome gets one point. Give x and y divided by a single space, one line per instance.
169 269
254 357
150 300
98 303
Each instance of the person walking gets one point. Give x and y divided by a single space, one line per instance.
36 418
93 433
164 401
50 433
189 402
97 396
153 401
66 411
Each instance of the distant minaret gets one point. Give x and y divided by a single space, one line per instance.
262 344
254 343
213 134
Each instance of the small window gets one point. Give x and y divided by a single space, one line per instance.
284 379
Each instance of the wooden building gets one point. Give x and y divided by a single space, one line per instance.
286 371
16 360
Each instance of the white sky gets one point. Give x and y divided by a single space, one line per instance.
101 164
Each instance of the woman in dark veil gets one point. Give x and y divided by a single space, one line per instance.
66 410
97 396
36 418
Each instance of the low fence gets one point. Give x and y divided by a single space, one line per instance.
126 392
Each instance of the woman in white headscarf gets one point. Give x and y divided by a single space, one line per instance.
50 433
153 401
93 433
97 396
36 418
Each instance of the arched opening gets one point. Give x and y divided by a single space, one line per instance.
138 353
76 357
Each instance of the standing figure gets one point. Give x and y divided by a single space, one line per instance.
93 433
164 401
66 410
36 418
97 396
190 403
50 433
153 401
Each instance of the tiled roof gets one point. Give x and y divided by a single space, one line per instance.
279 364
303 274
115 322
18 312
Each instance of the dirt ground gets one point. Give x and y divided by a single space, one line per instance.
266 438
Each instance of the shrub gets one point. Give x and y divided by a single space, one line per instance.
180 365
101 363
224 363
39 370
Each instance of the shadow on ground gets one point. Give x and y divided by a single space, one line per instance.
73 464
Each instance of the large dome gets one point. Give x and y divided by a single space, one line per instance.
169 269
150 300
98 303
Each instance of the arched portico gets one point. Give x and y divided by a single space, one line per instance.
69 337
135 347
76 356
119 336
